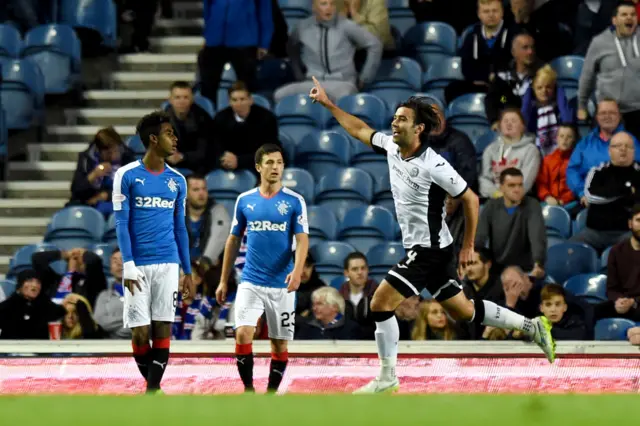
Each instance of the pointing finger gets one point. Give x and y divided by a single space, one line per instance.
315 81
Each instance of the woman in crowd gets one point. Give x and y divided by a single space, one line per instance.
432 323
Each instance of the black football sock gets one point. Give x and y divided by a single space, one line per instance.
276 370
158 363
244 361
141 356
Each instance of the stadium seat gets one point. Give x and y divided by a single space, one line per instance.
109 235
10 41
273 73
581 222
430 42
96 17
323 225
104 251
400 15
76 222
348 183
369 108
441 73
401 73
388 204
484 141
365 227
383 257
65 244
223 101
330 255
300 181
553 240
604 260
568 69
22 87
199 100
569 259
467 108
322 153
227 185
392 97
56 49
382 187
465 33
557 221
8 287
135 144
298 116
337 282
613 329
21 260
289 148
378 169
592 287
295 8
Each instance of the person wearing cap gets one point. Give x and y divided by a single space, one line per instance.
27 312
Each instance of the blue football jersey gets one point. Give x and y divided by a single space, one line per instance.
271 225
153 207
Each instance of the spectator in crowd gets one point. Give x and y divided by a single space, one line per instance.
591 18
309 282
623 270
240 129
23 12
456 147
520 291
84 276
510 84
458 13
432 323
357 292
611 193
406 314
93 178
208 223
544 25
328 321
140 15
192 125
593 149
480 282
235 31
331 61
78 322
484 51
544 108
514 227
571 318
455 222
612 65
371 15
512 149
27 312
109 309
552 179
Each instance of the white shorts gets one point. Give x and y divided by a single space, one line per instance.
158 299
278 304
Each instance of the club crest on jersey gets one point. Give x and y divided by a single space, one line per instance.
283 207
173 185
414 172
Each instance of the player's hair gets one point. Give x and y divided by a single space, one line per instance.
151 124
266 149
238 86
106 138
424 113
422 330
330 295
550 290
510 171
622 3
484 254
353 256
634 211
180 84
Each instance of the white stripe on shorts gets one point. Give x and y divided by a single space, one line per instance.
404 280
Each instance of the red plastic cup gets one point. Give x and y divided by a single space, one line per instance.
55 330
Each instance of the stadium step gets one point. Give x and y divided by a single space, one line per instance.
4 266
36 189
23 226
156 62
24 207
176 45
83 133
182 27
147 80
150 99
55 151
9 244
187 10
41 170
106 116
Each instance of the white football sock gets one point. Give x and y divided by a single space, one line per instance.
500 317
387 336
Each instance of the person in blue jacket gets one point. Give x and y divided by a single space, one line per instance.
235 31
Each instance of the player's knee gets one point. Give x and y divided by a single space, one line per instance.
140 335
278 346
462 311
385 299
244 335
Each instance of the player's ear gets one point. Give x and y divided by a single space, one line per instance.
258 167
153 139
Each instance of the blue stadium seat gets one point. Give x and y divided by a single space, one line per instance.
322 153
388 204
337 282
323 224
604 260
330 255
10 41
441 73
223 101
403 73
56 49
21 259
295 7
593 287
430 42
340 206
96 16
8 287
369 108
557 221
227 185
465 34
76 222
348 183
467 108
22 87
484 141
382 186
298 116
581 222
553 240
65 244
273 73
568 69
109 235
392 97
289 148
301 181
378 169
104 251
365 227
569 259
400 15
384 256
199 100
135 144
613 329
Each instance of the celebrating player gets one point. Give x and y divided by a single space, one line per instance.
271 215
420 180
149 204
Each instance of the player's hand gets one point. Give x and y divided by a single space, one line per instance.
132 276
188 287
466 257
221 293
318 94
130 284
292 281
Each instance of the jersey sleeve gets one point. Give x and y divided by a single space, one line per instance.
121 198
301 224
381 142
180 227
239 222
446 177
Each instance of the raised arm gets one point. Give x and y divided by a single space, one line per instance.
352 124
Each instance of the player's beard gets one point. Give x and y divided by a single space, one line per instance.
636 234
